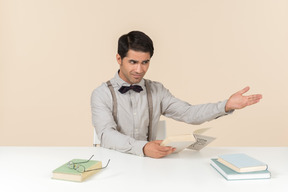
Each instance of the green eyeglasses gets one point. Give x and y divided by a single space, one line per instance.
80 168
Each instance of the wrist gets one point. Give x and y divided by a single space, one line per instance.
227 109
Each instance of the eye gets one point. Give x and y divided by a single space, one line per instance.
132 61
145 62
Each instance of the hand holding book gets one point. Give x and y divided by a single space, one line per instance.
195 141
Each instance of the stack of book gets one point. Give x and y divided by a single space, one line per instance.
240 166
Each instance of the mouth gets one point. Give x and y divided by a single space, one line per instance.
137 76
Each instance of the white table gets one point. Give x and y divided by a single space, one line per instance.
30 169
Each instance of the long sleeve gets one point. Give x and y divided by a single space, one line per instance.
192 114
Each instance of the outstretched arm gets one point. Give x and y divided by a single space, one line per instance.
239 101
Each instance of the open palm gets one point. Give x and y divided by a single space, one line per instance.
239 101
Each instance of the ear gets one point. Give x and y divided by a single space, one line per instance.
118 58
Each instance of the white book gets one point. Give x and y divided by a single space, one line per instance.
195 141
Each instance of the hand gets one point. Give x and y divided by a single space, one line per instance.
238 101
153 149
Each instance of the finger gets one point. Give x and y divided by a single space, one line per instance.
244 90
255 97
252 99
157 144
165 153
165 148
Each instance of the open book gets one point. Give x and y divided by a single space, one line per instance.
195 141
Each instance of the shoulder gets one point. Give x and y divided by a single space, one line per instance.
155 84
157 87
101 93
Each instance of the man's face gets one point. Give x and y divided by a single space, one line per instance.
134 66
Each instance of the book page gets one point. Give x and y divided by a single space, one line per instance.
201 142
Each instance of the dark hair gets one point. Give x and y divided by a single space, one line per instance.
135 40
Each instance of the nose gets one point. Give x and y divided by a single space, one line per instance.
139 68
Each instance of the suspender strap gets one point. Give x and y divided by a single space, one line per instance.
150 105
114 112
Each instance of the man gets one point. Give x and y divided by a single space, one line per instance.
132 130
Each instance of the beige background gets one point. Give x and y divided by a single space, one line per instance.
53 53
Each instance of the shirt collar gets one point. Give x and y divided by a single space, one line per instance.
120 82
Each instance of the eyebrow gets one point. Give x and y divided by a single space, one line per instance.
147 60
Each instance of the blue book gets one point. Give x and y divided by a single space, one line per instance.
242 163
230 174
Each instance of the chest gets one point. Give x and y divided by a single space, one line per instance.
132 104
